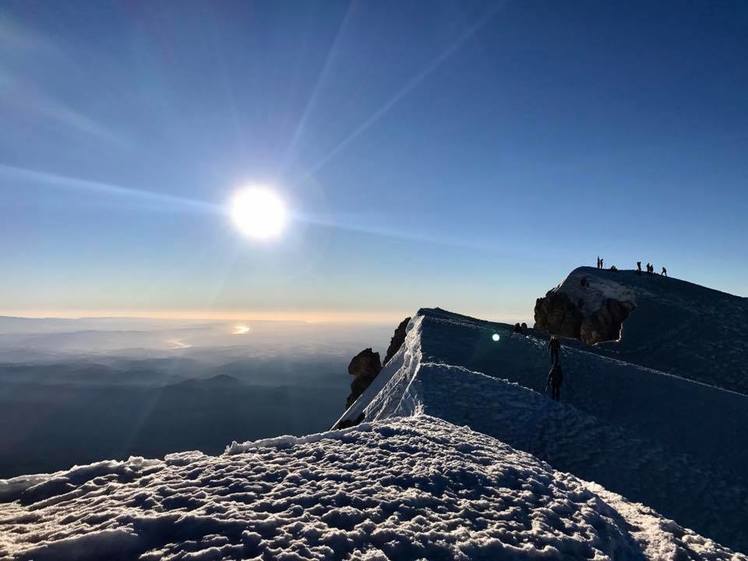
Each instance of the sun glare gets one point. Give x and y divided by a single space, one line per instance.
258 212
240 329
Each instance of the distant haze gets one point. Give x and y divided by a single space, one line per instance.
75 391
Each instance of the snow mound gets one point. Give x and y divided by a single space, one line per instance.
674 326
626 427
403 488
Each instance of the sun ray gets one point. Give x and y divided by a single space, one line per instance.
409 86
65 182
330 57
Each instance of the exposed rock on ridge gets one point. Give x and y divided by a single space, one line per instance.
364 367
590 311
398 338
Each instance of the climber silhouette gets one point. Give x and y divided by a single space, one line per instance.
664 272
638 267
555 377
554 346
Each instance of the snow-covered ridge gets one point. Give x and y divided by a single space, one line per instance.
596 289
404 488
627 427
668 324
449 463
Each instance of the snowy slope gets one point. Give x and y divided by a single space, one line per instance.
629 428
408 488
676 326
449 464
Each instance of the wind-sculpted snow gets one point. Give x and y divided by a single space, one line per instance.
401 489
675 445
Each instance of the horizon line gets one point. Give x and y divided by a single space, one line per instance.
310 316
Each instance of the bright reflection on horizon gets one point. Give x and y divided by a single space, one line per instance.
258 212
240 329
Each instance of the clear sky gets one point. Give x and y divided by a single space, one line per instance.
459 154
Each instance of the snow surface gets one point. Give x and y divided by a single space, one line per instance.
639 432
450 463
677 327
404 488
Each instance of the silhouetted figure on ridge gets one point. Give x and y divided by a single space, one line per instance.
554 347
664 272
602 263
523 328
638 267
517 328
599 263
555 377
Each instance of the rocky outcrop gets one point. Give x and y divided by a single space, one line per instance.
364 367
605 323
559 314
398 338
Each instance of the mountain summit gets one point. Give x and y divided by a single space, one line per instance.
455 453
665 323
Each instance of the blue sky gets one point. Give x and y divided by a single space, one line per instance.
459 154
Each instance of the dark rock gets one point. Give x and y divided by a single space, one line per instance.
364 364
364 367
398 338
557 314
605 323
345 423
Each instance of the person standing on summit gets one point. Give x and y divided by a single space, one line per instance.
555 377
554 347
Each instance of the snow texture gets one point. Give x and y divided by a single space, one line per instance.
629 428
404 488
453 461
677 327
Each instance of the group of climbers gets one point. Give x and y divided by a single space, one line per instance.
650 267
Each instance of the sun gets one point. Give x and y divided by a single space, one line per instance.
258 212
